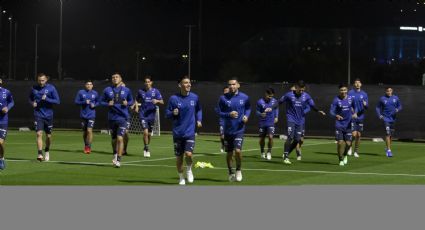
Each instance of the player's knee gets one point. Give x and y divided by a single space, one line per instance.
39 134
188 154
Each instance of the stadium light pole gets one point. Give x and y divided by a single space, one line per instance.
189 50
349 56
60 42
36 52
10 47
15 54
137 65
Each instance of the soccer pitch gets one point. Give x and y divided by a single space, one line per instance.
68 164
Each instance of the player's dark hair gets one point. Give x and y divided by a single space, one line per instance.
357 79
341 85
148 77
270 91
182 78
300 84
41 75
388 87
88 80
234 78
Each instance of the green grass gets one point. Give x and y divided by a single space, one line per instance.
69 166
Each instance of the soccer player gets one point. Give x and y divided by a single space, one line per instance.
234 108
42 98
6 103
268 112
221 122
387 108
185 111
361 102
88 99
343 110
298 103
149 98
118 98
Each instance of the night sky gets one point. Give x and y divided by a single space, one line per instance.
100 36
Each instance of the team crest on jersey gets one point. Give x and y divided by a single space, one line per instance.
394 100
385 102
229 103
241 102
192 103
92 96
46 91
122 92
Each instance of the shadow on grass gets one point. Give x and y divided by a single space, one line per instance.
67 150
149 181
209 179
85 164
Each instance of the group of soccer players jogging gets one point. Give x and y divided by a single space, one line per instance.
184 110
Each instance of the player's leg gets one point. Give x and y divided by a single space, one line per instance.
3 133
270 135
238 156
389 130
48 132
340 146
126 138
229 148
262 142
290 142
89 135
84 128
222 138
179 153
39 127
188 152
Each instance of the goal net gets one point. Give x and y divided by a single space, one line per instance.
136 125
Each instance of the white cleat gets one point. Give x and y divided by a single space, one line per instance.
263 155
232 177
190 177
46 156
40 157
341 163
146 154
299 158
269 156
287 161
345 160
356 154
116 163
182 181
238 175
349 153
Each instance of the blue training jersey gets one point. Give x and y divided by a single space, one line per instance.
297 106
118 111
44 108
238 102
343 107
145 97
84 96
387 108
190 113
359 97
6 100
262 105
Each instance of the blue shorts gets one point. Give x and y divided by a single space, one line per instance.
43 124
266 131
357 126
389 128
295 131
3 131
87 124
147 124
343 134
182 145
232 142
117 128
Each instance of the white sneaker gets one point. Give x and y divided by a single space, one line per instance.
116 163
345 160
341 163
189 175
287 161
40 157
182 181
232 177
263 155
239 175
356 154
146 153
349 153
299 158
46 156
269 156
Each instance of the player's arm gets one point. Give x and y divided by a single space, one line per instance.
171 107
104 98
398 105
378 109
31 98
247 110
258 109
365 102
276 113
129 98
333 112
312 105
198 111
158 99
10 103
54 99
221 108
95 102
78 100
